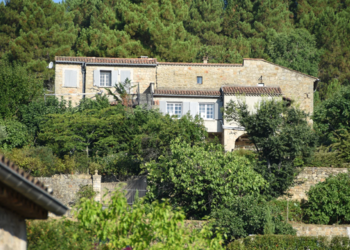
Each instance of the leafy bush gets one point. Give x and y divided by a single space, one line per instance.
13 134
295 212
277 242
328 201
142 226
248 215
199 178
58 234
323 157
40 161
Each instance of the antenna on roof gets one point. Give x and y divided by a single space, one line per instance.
50 65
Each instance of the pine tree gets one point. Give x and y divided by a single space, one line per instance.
34 32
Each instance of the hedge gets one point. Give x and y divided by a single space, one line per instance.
273 242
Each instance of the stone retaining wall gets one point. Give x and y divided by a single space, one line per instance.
309 177
321 230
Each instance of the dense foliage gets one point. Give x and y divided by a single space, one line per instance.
247 215
199 178
328 201
282 137
58 234
276 242
142 226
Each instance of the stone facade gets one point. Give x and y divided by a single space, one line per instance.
183 76
309 177
13 233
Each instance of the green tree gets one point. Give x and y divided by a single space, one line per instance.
295 50
199 178
280 134
17 87
14 134
34 32
144 226
333 114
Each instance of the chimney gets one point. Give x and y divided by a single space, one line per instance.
205 59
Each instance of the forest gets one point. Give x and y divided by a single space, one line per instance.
311 36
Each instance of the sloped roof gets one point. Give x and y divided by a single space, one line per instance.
251 90
201 64
176 92
106 60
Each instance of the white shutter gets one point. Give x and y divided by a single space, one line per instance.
71 78
125 74
114 77
97 78
216 111
194 108
162 107
186 108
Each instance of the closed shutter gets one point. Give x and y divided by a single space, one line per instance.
97 78
216 111
162 107
71 78
114 77
125 74
194 108
186 108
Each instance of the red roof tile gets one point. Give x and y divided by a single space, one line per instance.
186 92
145 61
234 90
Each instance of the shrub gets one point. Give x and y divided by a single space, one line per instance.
14 134
295 212
57 234
328 201
142 226
199 178
277 242
323 157
248 215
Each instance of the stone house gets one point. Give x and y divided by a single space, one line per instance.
21 197
178 88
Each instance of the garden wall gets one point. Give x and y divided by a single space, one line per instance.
309 177
321 230
65 187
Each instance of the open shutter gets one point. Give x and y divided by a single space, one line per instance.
216 111
125 74
186 108
194 108
114 77
220 113
162 107
97 78
71 78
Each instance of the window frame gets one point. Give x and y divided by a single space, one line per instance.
110 78
174 114
200 77
206 110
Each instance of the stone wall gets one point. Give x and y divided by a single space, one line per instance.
12 231
66 186
321 230
309 177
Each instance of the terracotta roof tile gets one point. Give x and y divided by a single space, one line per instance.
251 91
145 61
186 92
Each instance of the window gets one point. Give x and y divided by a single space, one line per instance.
199 80
174 109
261 84
70 78
206 111
105 79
